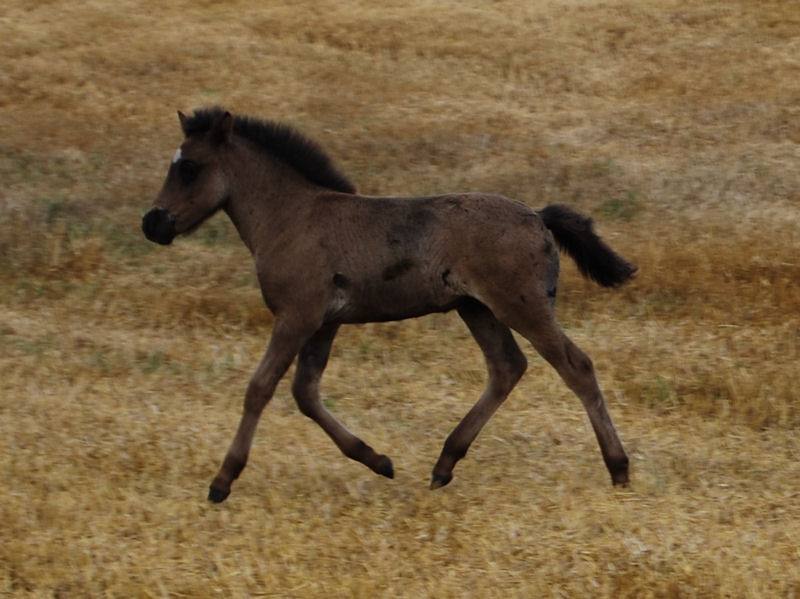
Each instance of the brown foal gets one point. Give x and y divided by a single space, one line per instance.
326 256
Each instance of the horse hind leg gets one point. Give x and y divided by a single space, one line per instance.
506 365
311 362
577 371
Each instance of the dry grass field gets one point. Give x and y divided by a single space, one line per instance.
675 125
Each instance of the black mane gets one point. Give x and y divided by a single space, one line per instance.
282 141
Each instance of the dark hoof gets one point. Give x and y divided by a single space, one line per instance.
217 496
385 468
618 469
438 481
620 480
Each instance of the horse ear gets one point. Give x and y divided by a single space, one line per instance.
183 119
222 129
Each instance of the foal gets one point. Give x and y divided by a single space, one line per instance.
326 256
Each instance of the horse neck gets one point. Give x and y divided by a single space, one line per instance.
266 196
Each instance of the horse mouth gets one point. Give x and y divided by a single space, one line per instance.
158 226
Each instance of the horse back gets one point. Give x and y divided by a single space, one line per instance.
394 258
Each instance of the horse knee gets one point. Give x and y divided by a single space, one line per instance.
307 407
578 360
579 371
257 396
305 397
507 369
515 366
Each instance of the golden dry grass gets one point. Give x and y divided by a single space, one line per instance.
676 125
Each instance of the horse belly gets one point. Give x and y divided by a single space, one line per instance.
405 296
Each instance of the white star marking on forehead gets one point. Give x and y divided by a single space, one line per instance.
177 156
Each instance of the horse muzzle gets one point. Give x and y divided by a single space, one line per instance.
158 225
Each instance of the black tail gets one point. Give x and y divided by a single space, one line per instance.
574 235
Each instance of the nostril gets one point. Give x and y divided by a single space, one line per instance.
159 226
147 224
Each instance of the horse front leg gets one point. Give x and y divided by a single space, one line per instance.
283 347
311 362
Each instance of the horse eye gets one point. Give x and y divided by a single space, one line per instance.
188 170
